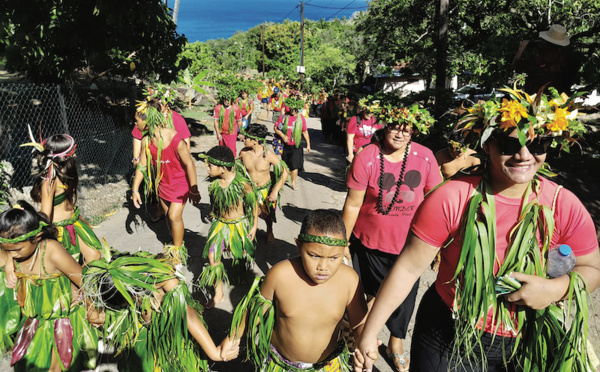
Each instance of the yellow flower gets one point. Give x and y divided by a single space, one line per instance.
560 122
512 113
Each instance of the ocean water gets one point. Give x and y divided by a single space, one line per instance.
201 20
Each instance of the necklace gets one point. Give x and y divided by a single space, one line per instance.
384 211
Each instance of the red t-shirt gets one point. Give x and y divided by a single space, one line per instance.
179 125
237 116
291 123
363 132
387 233
174 185
438 220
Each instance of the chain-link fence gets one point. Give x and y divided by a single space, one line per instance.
101 131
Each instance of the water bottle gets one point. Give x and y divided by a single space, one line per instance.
560 261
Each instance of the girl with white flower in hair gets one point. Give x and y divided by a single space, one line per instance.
493 307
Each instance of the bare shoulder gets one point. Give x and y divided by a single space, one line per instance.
280 270
346 274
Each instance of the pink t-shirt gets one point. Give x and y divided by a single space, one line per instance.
387 233
178 123
237 116
244 106
438 220
363 132
174 185
291 122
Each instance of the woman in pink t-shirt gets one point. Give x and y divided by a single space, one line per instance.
386 183
494 232
361 128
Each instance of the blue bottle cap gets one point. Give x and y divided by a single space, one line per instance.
564 250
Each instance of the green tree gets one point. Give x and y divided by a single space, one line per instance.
52 40
483 35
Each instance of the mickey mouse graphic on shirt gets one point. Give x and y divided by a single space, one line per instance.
412 179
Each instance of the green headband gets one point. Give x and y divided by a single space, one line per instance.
259 139
216 161
327 240
22 238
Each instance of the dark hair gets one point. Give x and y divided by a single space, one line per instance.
257 130
456 136
66 172
323 221
111 296
222 153
15 222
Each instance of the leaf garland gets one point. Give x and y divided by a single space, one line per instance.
542 342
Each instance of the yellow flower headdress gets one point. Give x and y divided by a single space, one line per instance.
536 115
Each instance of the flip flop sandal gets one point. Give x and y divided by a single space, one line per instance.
402 359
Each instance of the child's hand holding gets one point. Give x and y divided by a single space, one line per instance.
229 349
136 198
95 317
194 194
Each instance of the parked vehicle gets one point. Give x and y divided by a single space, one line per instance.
471 93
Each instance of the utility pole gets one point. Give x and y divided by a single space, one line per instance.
301 44
262 38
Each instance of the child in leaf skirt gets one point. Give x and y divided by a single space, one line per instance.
234 210
55 332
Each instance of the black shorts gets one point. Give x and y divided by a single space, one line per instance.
433 342
293 157
372 267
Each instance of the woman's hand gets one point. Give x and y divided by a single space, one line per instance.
537 292
365 355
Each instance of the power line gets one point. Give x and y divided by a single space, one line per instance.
296 7
336 13
331 7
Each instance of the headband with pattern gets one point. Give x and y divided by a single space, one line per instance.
214 161
327 240
24 237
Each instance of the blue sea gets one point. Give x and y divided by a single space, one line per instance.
201 20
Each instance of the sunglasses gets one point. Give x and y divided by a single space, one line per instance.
511 145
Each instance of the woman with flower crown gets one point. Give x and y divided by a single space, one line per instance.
493 307
387 181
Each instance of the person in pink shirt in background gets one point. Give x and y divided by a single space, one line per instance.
290 128
361 127
228 119
387 182
160 97
246 107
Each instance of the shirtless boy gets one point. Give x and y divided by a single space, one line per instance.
258 161
457 157
303 300
234 212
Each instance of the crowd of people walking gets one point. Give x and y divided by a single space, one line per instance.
478 210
